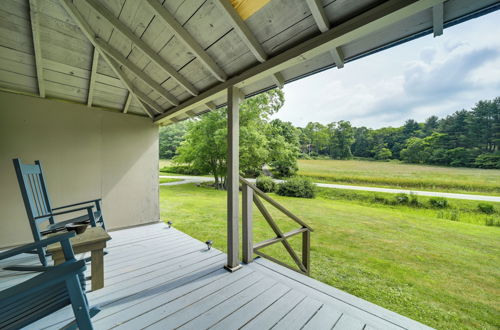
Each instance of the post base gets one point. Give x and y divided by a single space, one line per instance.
232 269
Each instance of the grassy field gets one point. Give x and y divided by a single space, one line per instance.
440 272
396 174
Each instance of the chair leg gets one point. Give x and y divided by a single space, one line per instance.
41 256
79 303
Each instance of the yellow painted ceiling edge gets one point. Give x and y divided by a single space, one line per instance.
247 8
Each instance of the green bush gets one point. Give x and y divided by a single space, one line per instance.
486 208
181 169
265 183
297 187
492 222
438 202
401 199
488 160
414 200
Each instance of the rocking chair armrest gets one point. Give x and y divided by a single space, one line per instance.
32 246
76 204
44 280
88 208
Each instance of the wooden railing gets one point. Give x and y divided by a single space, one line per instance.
252 194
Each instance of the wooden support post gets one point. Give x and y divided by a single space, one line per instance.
306 251
247 224
233 167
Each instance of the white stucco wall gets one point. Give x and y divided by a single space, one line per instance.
85 153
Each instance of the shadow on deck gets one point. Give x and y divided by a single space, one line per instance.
161 278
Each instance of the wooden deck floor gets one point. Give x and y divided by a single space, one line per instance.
160 278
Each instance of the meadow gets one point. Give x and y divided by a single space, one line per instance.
401 175
440 272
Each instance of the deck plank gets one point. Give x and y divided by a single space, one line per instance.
161 278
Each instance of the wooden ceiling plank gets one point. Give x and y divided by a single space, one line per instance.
376 19
136 71
35 30
93 74
88 32
242 30
187 39
142 46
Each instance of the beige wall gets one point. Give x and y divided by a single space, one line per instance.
85 153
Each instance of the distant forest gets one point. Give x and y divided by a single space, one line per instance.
467 138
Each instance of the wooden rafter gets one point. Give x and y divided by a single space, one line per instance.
136 71
89 33
384 15
127 103
319 15
139 44
35 28
278 80
244 32
93 74
187 39
438 19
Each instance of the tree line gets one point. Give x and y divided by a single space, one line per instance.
469 138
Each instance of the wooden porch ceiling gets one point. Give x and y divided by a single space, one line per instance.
173 59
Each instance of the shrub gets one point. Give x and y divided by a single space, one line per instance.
181 169
438 202
414 200
492 222
488 160
401 199
381 200
486 208
265 183
297 187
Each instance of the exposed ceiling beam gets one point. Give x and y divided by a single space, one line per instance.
384 15
89 33
142 46
187 39
242 30
438 19
338 57
35 27
93 74
136 71
211 105
127 103
278 80
319 15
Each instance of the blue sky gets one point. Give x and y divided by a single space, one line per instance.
424 77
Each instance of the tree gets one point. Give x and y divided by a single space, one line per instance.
383 154
341 139
283 140
416 151
205 144
170 139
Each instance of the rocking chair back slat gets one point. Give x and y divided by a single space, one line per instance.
39 209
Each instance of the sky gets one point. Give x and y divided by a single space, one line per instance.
424 77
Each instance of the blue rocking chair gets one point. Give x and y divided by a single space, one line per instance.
47 292
38 208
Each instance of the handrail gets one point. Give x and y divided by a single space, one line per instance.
249 198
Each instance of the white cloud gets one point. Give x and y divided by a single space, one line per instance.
416 80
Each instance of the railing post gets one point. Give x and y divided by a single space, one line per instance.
247 224
306 251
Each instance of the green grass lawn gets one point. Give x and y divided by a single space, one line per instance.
397 174
440 272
